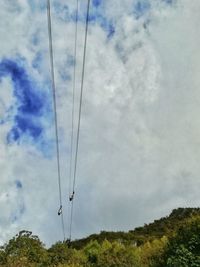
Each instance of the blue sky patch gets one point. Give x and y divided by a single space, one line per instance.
96 3
62 11
105 24
37 5
22 209
36 63
141 8
32 104
15 216
111 30
18 184
169 2
96 16
70 61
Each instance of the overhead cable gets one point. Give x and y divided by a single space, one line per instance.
60 211
73 102
79 115
71 194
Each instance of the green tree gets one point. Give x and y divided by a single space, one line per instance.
184 248
151 253
27 247
3 258
60 254
92 251
116 254
110 254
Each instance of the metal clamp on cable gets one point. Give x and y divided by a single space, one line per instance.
72 196
60 211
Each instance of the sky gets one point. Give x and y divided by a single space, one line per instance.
140 129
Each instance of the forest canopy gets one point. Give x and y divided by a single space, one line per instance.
172 241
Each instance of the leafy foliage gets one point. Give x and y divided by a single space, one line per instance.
59 253
184 248
163 227
25 249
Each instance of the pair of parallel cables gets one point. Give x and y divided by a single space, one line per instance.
73 166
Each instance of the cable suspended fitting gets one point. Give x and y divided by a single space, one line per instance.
71 193
60 211
79 120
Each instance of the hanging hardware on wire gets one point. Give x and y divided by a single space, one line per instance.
71 197
73 101
79 118
60 211
71 194
73 169
55 111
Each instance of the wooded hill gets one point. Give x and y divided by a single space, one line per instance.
165 226
172 241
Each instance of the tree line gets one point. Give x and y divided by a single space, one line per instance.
173 241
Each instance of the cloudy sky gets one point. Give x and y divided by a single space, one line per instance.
140 130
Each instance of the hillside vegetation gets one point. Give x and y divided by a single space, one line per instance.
172 241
